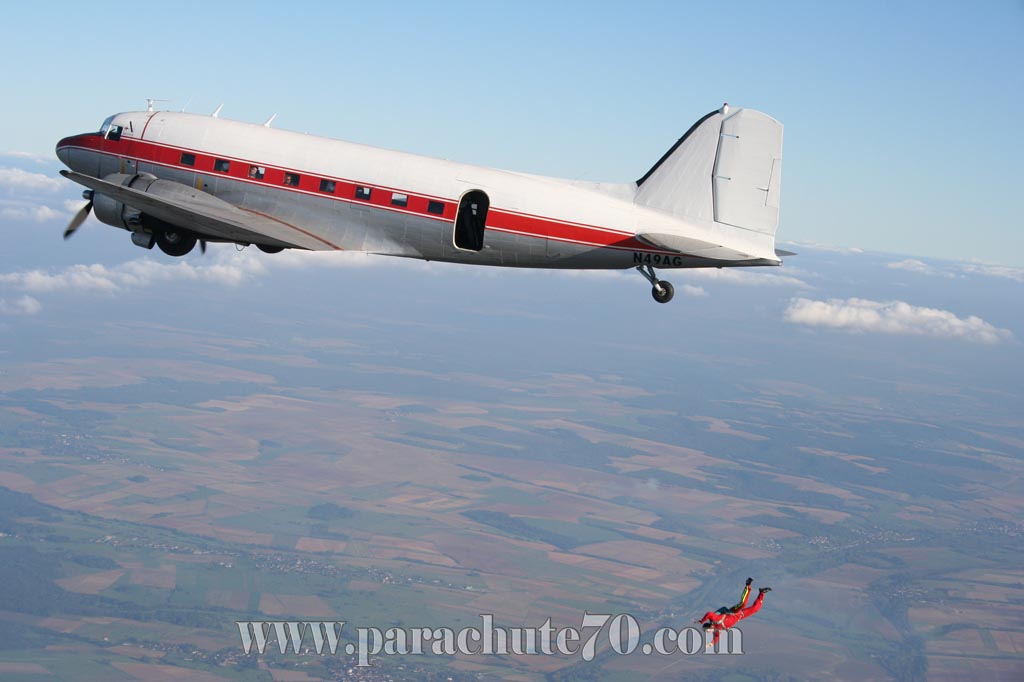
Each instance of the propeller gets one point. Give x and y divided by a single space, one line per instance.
82 214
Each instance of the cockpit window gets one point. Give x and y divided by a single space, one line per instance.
110 131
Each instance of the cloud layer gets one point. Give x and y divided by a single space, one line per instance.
17 179
223 267
1002 271
828 248
23 305
918 267
744 276
29 196
953 269
893 317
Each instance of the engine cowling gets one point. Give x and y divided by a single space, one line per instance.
113 212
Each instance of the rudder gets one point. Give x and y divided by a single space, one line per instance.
726 169
748 172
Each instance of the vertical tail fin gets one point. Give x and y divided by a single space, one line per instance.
726 169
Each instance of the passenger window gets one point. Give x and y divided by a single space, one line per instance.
435 207
327 186
363 193
114 133
399 199
291 179
221 165
256 172
188 159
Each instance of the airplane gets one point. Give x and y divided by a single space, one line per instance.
176 179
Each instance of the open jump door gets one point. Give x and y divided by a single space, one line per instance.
471 220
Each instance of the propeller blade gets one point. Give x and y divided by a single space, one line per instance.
202 246
77 221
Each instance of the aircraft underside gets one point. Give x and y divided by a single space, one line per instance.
355 227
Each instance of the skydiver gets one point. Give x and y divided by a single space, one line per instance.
720 622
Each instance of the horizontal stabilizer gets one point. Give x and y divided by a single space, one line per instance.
691 246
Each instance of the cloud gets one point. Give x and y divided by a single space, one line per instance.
691 290
22 180
892 317
73 205
226 268
29 156
25 305
830 248
131 275
984 269
744 276
1003 271
39 213
919 267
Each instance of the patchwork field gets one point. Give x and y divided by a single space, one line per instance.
149 505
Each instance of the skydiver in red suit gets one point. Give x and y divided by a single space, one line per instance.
719 621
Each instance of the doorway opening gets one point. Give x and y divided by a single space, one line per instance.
471 220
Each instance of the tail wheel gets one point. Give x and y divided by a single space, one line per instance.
175 242
663 291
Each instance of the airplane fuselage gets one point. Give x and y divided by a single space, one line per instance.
347 196
176 180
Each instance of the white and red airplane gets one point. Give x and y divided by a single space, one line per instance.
175 179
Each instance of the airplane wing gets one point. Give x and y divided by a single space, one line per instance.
207 215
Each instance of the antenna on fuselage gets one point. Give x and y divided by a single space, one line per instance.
151 100
270 120
217 112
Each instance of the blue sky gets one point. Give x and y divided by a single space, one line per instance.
901 118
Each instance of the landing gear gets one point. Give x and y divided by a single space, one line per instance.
175 242
661 290
269 249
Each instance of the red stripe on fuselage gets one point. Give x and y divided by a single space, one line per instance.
501 220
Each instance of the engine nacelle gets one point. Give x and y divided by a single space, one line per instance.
113 212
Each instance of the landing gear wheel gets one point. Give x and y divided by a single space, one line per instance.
175 242
663 291
269 249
